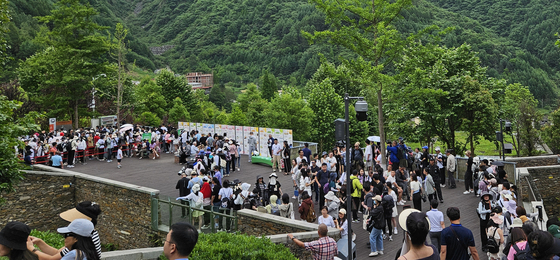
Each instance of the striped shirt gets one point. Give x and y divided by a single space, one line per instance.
323 249
96 242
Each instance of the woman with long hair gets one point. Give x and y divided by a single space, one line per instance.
13 242
77 238
518 242
416 190
417 228
286 158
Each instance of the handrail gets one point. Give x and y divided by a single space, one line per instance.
155 215
534 197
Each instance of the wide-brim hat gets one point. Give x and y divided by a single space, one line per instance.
14 235
330 196
404 215
486 194
496 218
80 211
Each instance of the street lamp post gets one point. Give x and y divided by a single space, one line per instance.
361 115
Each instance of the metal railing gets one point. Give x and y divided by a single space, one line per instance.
163 209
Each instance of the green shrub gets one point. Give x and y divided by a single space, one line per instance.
238 246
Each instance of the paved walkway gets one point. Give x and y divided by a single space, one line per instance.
161 174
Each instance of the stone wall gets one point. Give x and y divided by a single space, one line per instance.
535 160
126 209
38 199
276 228
546 179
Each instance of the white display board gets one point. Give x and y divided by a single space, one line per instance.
218 129
207 128
199 127
239 137
246 133
230 130
263 141
288 136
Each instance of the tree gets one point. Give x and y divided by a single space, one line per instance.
4 20
60 76
327 106
290 111
237 117
528 134
517 99
11 128
120 48
366 28
149 119
178 112
149 98
174 87
551 132
221 96
253 105
447 89
269 88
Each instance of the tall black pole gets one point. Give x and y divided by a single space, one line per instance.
348 180
503 149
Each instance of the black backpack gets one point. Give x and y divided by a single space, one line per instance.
378 218
226 203
492 244
521 254
388 203
400 153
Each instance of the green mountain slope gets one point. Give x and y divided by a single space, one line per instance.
238 39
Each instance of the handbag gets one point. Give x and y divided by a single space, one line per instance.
424 198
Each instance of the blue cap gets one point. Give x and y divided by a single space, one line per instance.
425 147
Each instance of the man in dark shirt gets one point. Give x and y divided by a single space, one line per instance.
402 176
456 240
377 185
314 169
469 174
323 178
182 186
433 169
307 152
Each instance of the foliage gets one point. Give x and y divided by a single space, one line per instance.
221 96
290 111
327 106
269 88
237 117
178 112
149 119
4 20
11 128
53 239
75 44
551 132
120 50
253 105
528 134
517 100
447 89
238 246
174 87
149 98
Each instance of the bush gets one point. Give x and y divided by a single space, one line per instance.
53 239
149 119
238 246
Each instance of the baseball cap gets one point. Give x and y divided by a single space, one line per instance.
14 235
81 227
343 211
554 230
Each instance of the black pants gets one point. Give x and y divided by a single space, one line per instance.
438 191
321 197
442 175
287 165
82 154
417 201
451 179
389 224
468 181
435 237
101 151
483 236
71 154
355 206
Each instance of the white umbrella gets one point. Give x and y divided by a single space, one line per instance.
126 127
374 139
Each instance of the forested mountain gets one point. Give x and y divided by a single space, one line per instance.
238 39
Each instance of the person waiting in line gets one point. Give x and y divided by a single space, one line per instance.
543 245
417 228
14 242
416 192
77 238
457 240
493 231
306 204
287 207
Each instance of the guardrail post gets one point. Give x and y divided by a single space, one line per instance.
155 213
170 212
235 221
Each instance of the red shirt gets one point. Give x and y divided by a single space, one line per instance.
95 139
206 190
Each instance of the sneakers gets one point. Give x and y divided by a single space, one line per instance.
390 238
442 185
384 236
373 254
471 191
118 167
441 201
353 237
294 197
238 169
205 226
380 252
466 192
395 231
400 203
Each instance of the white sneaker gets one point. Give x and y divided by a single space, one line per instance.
466 192
400 203
395 231
442 185
471 191
294 197
390 238
373 254
380 252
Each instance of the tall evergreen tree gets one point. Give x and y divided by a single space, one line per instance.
269 87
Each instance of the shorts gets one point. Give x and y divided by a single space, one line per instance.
119 160
369 164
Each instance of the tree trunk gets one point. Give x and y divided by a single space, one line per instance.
381 125
472 143
76 120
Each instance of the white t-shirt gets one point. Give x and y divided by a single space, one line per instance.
276 149
391 179
327 221
225 192
119 154
368 153
436 217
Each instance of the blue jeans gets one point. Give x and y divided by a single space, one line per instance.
238 160
376 240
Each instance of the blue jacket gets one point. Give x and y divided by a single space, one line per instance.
393 152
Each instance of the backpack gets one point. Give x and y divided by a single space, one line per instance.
400 153
311 217
274 210
247 202
520 254
492 244
388 203
378 218
226 203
